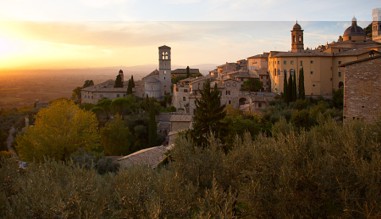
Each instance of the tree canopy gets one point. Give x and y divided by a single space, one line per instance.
208 115
252 84
59 130
116 138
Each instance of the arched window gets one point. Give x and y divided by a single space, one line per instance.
341 84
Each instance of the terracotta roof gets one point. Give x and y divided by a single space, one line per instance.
107 86
184 71
264 55
151 157
155 72
305 53
361 60
181 118
354 52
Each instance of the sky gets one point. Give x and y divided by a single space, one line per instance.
43 34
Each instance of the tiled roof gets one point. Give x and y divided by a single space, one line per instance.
355 52
107 86
155 72
361 60
151 157
184 71
306 53
181 118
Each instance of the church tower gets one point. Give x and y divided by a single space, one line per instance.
297 44
165 69
376 25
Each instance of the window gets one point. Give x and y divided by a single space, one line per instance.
312 61
339 74
291 62
278 62
185 90
301 63
259 105
278 71
184 99
117 95
312 72
228 92
339 62
230 102
285 62
300 38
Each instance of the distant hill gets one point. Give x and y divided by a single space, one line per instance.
23 87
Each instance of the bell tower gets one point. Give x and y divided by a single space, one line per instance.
297 44
376 25
165 69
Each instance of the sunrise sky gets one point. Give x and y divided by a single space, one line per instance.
99 33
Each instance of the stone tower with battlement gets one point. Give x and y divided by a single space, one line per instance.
376 25
165 69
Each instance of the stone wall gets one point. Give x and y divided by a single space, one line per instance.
362 86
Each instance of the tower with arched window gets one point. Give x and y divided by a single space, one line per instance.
165 69
297 44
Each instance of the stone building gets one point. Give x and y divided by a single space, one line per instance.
258 65
105 89
182 73
362 86
321 66
158 83
376 25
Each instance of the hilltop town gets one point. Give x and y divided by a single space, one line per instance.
281 134
326 69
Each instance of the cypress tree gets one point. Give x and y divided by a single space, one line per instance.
188 72
208 116
129 88
294 92
285 89
290 90
132 81
301 84
118 81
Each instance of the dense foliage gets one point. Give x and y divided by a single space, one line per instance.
208 116
329 171
252 85
59 130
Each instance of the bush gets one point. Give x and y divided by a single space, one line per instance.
331 170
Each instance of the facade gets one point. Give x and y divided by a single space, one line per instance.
258 66
362 85
376 25
182 72
158 83
103 90
321 66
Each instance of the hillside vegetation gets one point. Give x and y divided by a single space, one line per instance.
330 170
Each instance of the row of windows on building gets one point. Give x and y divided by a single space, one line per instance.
291 62
292 71
102 96
301 62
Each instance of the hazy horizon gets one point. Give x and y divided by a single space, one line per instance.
100 33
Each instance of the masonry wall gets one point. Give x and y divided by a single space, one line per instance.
362 86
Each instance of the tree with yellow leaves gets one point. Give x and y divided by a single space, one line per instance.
59 130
